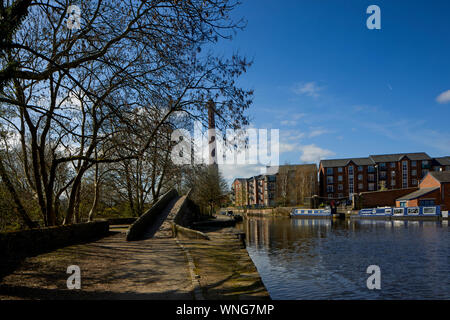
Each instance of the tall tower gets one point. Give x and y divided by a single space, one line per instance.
212 145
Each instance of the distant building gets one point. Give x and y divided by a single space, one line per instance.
434 190
341 178
283 185
240 192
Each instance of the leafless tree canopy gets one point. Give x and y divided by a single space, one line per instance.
93 108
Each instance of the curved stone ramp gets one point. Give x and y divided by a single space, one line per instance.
161 227
146 225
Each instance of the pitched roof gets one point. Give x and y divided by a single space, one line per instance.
441 176
418 193
271 170
344 162
376 158
398 156
443 161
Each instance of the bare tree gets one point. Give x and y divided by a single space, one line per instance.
75 94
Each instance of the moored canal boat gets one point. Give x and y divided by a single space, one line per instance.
312 213
433 212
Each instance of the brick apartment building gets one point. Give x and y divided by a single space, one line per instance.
285 185
257 190
341 178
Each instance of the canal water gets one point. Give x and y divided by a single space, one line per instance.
324 259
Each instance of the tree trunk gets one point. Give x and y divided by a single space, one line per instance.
72 198
77 204
96 195
129 189
20 209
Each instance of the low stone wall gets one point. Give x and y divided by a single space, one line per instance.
138 228
218 223
30 242
186 233
181 218
116 221
278 211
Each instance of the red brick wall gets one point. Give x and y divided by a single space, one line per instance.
380 198
429 182
445 194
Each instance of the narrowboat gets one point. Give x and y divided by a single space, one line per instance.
401 212
312 213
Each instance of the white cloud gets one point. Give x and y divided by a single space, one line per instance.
293 119
288 147
231 172
444 97
313 153
310 89
317 132
289 123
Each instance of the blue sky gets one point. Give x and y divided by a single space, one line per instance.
337 89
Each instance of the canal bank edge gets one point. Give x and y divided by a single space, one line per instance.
285 212
222 267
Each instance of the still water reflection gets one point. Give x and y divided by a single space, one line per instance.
324 259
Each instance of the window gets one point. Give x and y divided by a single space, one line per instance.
382 166
329 171
371 169
371 186
405 173
425 164
413 163
360 168
350 180
360 186
414 173
436 168
426 203
340 195
340 187
383 175
424 172
340 178
393 183
403 204
330 196
330 189
371 177
360 177
340 169
414 182
330 180
392 164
